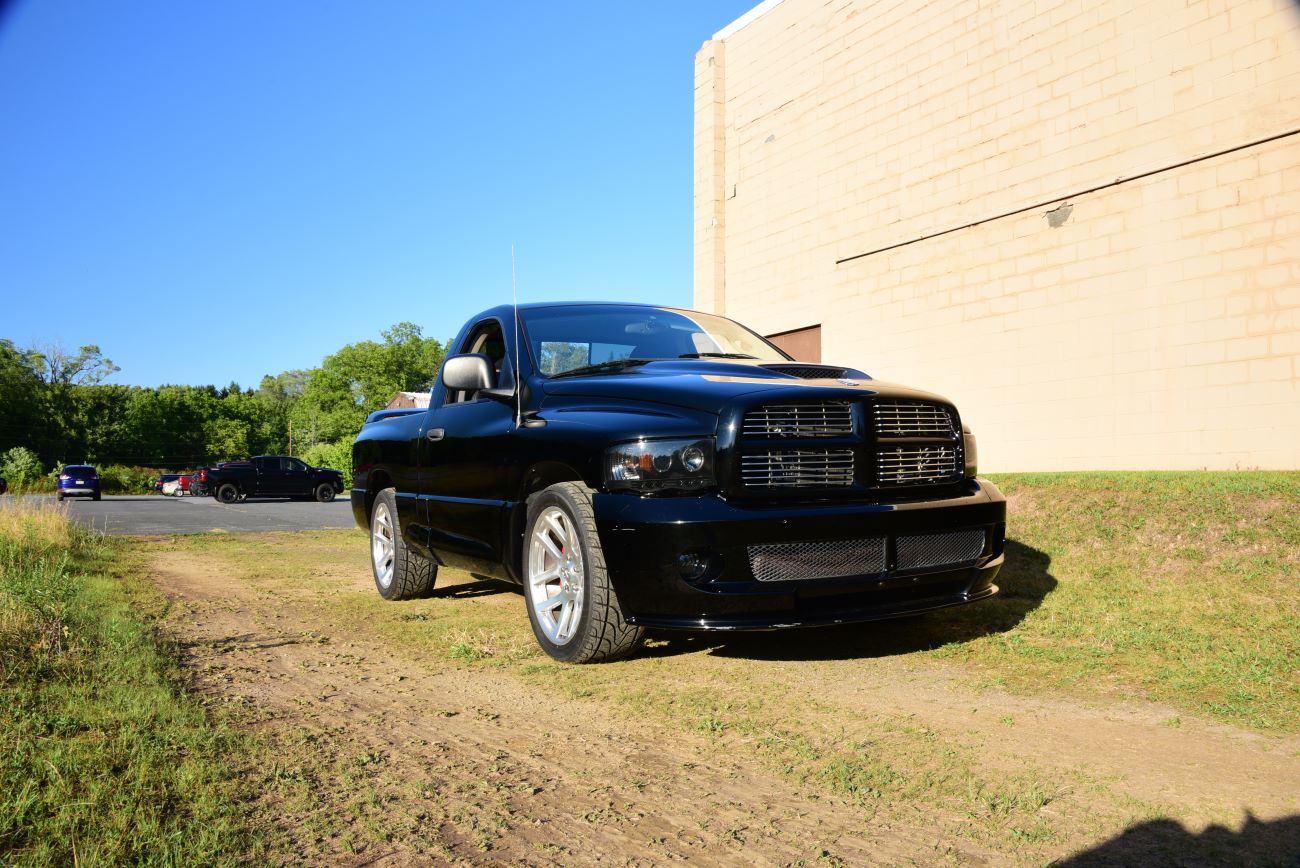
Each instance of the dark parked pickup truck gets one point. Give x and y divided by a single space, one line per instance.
634 466
270 476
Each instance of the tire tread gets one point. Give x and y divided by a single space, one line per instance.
609 636
413 576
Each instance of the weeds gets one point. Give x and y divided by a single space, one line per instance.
105 761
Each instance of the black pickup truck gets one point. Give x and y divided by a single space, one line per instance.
635 466
270 476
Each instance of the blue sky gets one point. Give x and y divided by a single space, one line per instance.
216 191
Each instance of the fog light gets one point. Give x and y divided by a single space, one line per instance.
693 566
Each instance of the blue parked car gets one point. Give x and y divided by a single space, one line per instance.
79 480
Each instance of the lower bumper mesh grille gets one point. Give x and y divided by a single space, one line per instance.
939 549
817 560
834 559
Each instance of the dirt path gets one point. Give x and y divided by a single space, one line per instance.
428 763
505 774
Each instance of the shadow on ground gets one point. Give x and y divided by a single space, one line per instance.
482 586
1025 581
1167 843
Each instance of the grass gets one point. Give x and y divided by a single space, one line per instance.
103 758
1183 588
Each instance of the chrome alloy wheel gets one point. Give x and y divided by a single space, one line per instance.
381 544
556 575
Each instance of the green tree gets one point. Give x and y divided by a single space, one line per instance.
360 378
276 397
226 438
22 422
65 376
88 367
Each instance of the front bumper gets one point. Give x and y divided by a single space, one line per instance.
644 541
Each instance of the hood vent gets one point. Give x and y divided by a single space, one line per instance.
808 372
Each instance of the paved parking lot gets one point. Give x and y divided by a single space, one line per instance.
145 515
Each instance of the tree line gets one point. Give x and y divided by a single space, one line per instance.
56 409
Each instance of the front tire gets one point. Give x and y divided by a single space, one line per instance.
324 493
400 573
572 607
228 493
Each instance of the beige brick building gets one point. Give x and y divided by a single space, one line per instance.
1078 220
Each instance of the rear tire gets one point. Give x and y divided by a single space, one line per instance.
400 573
96 497
228 493
572 606
59 496
324 493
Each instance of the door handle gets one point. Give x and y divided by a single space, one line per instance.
434 434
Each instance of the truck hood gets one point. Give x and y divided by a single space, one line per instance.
706 386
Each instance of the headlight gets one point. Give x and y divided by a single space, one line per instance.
660 465
972 453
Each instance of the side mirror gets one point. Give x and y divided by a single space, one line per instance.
469 373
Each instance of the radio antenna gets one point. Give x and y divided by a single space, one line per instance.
519 385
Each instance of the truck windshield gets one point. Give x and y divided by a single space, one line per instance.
566 338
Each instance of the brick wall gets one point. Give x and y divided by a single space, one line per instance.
1151 320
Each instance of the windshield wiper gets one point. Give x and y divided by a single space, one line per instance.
608 367
716 356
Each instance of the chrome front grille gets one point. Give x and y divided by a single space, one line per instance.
829 559
907 443
798 468
939 549
831 419
917 465
912 419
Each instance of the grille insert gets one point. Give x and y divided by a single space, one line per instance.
798 468
917 465
817 560
910 419
832 419
939 549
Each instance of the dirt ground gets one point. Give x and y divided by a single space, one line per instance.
384 755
